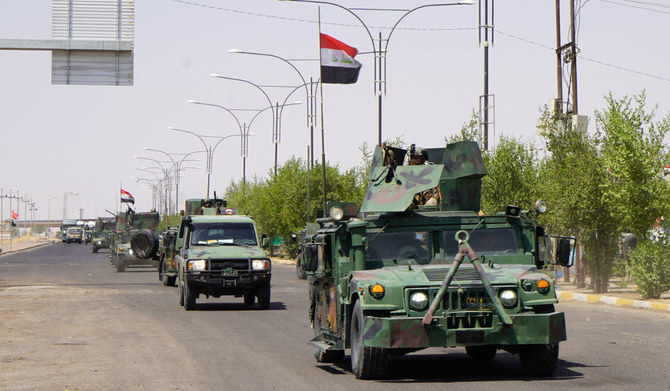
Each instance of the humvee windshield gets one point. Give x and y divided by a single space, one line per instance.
484 242
223 233
398 246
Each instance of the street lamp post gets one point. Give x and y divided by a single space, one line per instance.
65 195
49 214
309 95
209 149
166 176
379 52
177 165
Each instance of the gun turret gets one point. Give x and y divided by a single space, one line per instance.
444 179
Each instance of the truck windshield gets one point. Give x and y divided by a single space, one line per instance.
398 246
223 233
485 242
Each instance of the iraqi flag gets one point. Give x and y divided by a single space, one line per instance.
338 65
127 197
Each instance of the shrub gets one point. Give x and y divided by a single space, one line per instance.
650 267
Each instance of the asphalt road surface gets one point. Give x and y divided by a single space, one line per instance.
69 321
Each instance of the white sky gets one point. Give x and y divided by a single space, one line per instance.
58 139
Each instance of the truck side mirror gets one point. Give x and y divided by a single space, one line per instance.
264 240
563 250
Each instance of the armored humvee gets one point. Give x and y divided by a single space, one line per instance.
216 252
101 235
133 228
393 280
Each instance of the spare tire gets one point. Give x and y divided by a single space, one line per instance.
144 244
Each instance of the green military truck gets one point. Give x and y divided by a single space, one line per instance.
394 281
101 235
135 241
216 252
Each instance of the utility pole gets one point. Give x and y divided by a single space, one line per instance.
570 50
573 64
558 109
485 101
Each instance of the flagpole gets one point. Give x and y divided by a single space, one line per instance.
323 143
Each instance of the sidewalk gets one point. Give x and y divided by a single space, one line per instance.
21 244
617 295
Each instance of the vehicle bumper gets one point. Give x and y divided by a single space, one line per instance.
217 285
409 332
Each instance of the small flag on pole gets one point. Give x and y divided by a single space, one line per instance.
338 65
15 215
127 197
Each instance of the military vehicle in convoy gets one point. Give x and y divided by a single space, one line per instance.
74 234
65 224
135 242
393 281
102 232
215 252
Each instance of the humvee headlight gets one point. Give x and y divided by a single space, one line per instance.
197 264
543 286
418 301
377 291
540 207
336 213
527 285
130 251
260 264
507 298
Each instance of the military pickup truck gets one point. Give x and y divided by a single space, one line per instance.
216 252
421 267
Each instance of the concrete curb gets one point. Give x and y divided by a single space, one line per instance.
586 298
24 249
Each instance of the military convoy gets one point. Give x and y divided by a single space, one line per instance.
215 252
74 234
394 281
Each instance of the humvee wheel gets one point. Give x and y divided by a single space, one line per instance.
189 297
299 270
366 362
165 279
120 266
249 298
94 248
263 294
483 352
539 360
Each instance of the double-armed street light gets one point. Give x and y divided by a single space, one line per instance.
176 164
65 196
209 149
380 47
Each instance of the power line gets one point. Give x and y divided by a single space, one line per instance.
638 7
316 22
585 58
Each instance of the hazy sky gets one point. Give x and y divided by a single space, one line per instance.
58 139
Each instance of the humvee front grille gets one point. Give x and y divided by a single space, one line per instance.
462 274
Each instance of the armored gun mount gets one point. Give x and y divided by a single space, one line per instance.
207 206
440 179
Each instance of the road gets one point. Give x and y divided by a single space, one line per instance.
68 321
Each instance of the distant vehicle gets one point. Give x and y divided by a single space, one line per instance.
215 252
422 268
101 235
134 242
65 224
74 234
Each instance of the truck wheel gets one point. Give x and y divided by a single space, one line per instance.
263 294
120 265
325 356
482 352
189 297
249 298
94 248
539 360
366 362
180 292
165 279
299 270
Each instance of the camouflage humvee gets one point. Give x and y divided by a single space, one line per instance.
132 228
393 282
101 235
216 252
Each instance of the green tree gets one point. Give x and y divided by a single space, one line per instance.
651 267
513 176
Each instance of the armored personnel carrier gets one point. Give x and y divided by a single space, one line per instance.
422 267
